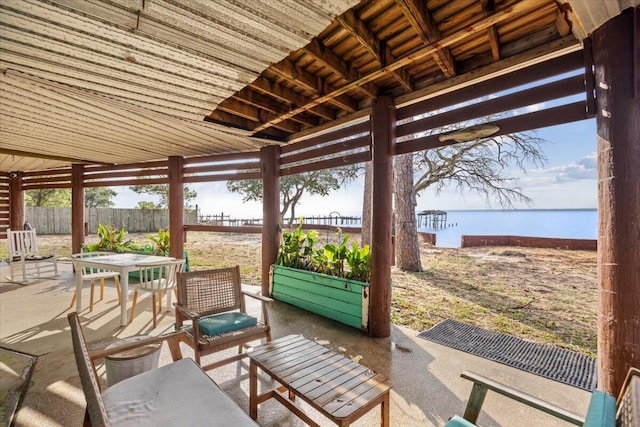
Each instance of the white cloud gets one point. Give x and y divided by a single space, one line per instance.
585 168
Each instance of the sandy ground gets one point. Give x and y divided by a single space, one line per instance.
543 295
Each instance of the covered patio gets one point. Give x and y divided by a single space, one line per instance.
132 93
427 388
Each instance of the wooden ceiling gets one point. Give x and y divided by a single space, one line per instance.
126 81
390 47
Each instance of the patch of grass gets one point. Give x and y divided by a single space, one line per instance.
547 295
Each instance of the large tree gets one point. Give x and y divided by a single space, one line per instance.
293 187
481 166
99 197
94 197
49 197
162 191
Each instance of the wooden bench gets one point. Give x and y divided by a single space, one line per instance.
602 411
176 394
335 386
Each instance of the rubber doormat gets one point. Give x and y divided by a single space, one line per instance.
558 364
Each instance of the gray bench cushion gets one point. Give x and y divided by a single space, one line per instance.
178 394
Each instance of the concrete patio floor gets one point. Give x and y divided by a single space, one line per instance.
427 388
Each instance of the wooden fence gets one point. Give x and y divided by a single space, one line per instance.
58 220
529 242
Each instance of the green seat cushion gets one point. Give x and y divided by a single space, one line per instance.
602 410
458 421
225 322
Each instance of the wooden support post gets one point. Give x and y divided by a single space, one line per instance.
77 207
176 206
270 211
618 128
16 201
383 129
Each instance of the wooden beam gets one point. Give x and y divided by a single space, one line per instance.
558 89
377 48
383 124
361 32
416 12
253 114
329 59
589 78
16 202
401 75
494 42
470 30
618 145
240 109
255 99
538 119
564 27
298 75
227 119
485 87
350 159
286 95
270 212
176 207
301 77
77 208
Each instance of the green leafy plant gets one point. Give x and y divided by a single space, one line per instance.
339 260
161 242
359 261
296 248
111 239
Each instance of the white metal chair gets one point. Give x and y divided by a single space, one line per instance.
157 278
92 274
25 258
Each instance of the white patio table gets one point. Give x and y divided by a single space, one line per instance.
121 263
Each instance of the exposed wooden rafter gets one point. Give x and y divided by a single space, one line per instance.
488 7
421 21
284 94
269 104
427 51
377 48
329 59
309 81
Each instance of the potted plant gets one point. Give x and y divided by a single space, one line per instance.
332 280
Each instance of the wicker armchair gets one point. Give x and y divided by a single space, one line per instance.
215 297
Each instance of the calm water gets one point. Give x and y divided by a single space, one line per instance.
571 223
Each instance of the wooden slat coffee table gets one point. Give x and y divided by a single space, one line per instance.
337 387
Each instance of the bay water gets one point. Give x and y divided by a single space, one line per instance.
560 223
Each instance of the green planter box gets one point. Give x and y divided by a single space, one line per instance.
346 301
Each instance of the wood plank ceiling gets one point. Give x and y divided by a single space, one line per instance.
121 81
389 47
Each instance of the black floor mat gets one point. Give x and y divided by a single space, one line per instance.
551 362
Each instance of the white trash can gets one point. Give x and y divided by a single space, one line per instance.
124 365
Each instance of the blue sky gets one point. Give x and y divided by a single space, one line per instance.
566 181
